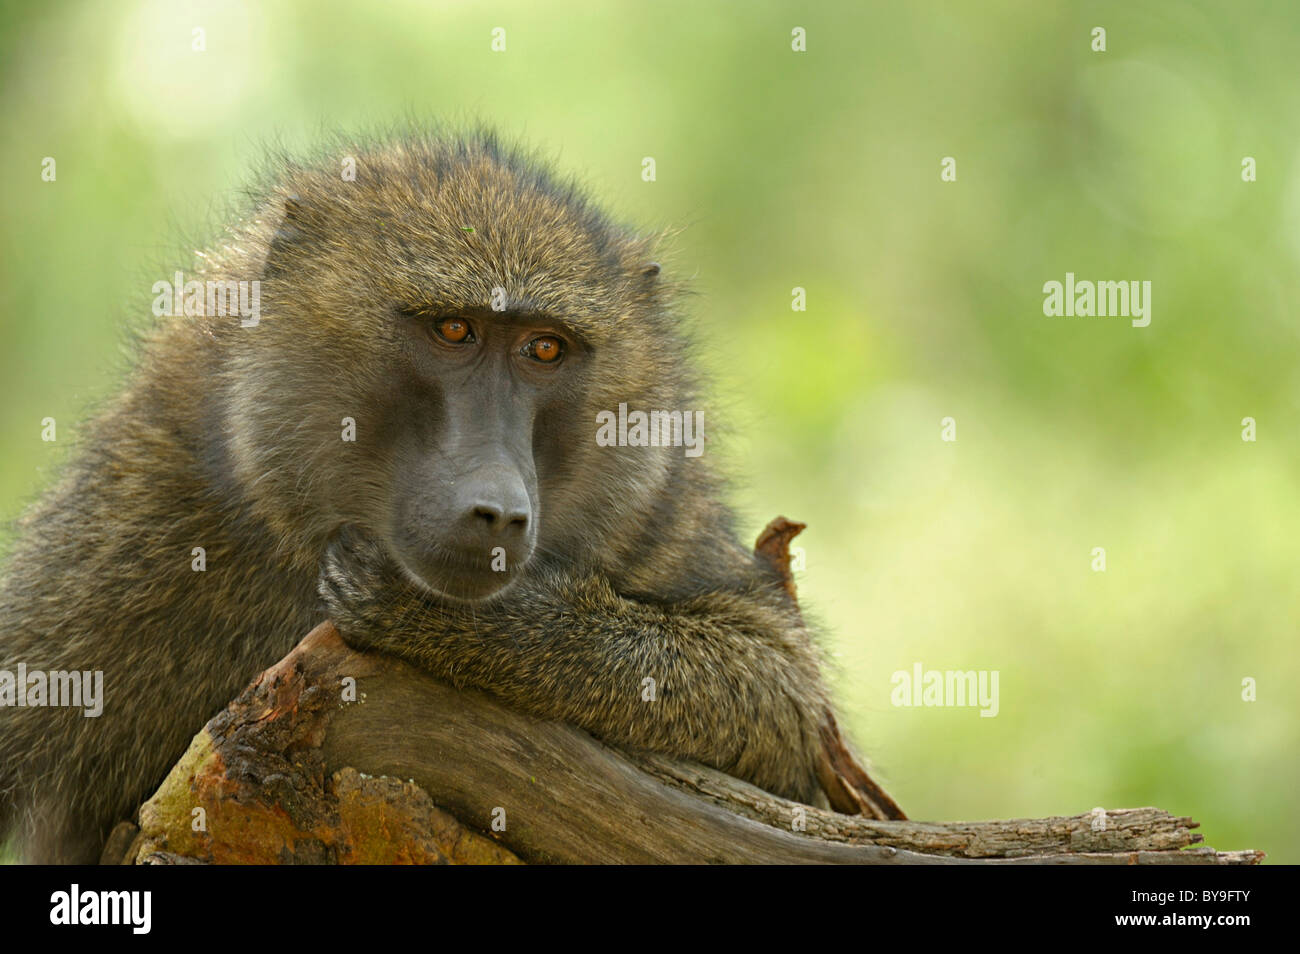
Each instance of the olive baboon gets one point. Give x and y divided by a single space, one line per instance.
436 338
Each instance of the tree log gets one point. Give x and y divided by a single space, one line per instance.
298 769
332 756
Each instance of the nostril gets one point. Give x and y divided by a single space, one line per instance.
495 520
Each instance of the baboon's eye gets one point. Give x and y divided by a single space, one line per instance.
546 349
455 330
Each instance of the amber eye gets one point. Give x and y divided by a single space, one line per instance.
546 349
455 330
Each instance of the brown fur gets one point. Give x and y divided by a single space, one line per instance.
228 438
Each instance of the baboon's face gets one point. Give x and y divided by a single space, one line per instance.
472 321
485 398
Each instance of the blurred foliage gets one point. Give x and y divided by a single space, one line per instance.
821 170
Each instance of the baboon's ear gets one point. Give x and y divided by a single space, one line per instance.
287 237
651 269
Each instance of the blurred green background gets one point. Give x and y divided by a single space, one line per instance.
821 170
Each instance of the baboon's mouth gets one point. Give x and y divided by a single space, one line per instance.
457 579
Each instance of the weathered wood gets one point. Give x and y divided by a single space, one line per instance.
1129 829
846 784
273 771
253 788
306 766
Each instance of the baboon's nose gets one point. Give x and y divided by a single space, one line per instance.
495 507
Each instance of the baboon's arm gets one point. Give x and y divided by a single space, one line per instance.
729 679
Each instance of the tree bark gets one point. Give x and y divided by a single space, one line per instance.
332 756
299 770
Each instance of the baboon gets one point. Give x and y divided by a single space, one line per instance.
403 441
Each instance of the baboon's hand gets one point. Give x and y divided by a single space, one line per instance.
361 587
